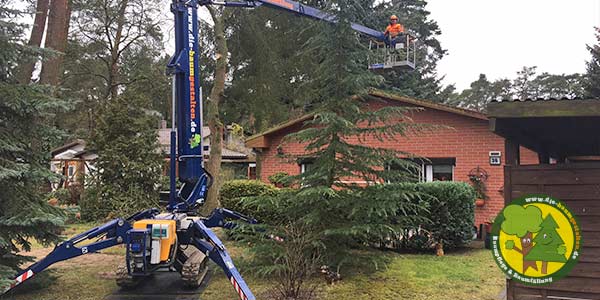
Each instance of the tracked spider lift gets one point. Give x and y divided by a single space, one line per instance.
156 241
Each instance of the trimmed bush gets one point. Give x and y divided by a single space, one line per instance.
234 192
450 212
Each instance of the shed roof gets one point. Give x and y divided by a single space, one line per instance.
558 128
544 107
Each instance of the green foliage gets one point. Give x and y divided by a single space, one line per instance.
527 84
451 212
129 161
549 246
72 213
67 196
449 216
91 205
235 195
272 70
340 215
592 84
280 178
423 82
519 220
139 59
479 185
62 195
26 137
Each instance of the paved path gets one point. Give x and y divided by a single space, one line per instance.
161 286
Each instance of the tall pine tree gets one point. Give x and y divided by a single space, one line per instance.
593 68
334 139
128 158
25 143
339 215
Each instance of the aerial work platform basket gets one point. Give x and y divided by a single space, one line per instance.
385 56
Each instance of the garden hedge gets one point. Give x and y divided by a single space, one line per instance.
234 192
450 210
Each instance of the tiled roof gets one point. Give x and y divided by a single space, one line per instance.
543 99
228 153
429 104
388 96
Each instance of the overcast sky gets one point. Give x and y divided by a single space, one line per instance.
499 37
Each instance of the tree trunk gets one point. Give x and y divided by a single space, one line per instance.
544 267
113 76
35 40
526 248
214 121
56 39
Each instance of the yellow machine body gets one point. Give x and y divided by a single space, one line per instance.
163 230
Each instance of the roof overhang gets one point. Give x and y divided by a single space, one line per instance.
429 104
261 140
558 128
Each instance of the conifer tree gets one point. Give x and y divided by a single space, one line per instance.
593 68
340 215
25 143
129 162
549 246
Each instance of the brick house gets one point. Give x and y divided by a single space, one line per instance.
453 152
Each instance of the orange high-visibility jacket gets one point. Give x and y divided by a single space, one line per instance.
395 29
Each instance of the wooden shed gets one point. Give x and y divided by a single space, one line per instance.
566 136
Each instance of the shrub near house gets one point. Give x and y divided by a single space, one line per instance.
235 192
446 213
447 217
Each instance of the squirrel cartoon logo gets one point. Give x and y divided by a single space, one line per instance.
536 240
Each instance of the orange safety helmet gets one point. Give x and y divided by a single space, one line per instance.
394 17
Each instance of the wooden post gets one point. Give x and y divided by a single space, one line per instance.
513 155
543 158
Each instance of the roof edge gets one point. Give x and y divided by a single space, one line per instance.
385 95
429 104
65 146
280 126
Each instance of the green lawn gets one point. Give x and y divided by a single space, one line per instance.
466 274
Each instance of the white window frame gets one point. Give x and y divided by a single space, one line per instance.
303 168
71 171
428 171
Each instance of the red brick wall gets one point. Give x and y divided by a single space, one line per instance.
469 140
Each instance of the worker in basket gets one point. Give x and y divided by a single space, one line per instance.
394 33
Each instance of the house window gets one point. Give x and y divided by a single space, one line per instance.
431 169
71 171
306 164
439 172
252 171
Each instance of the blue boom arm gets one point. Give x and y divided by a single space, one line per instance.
299 9
187 95
110 234
186 151
115 232
208 242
